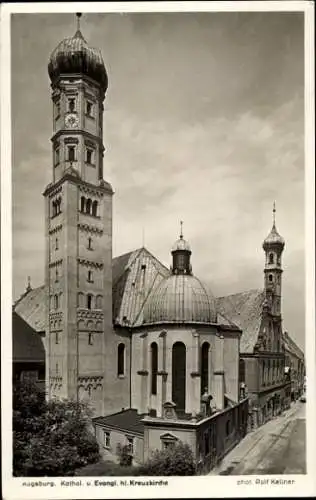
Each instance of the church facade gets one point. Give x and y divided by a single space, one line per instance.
152 351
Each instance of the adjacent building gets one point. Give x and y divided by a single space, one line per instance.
295 366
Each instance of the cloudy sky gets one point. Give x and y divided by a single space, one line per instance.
203 122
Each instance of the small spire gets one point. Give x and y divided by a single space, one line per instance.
273 211
181 229
78 20
29 287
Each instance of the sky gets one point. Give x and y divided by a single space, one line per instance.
203 122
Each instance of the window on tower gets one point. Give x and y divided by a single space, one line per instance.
90 276
271 258
95 208
56 157
89 108
90 339
89 156
71 104
90 244
270 278
71 153
89 301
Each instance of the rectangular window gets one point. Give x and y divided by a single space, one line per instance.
89 156
90 276
56 274
90 339
71 153
71 104
57 157
107 439
130 444
89 108
57 338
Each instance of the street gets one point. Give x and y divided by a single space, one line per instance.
278 447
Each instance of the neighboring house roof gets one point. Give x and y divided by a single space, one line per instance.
135 276
244 310
128 421
292 347
26 342
31 307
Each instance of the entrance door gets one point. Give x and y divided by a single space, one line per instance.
178 375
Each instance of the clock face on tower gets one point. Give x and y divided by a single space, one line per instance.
71 120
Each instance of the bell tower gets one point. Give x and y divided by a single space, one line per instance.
78 227
273 247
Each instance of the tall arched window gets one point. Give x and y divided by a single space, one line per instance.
204 367
89 301
271 258
56 301
154 367
121 359
95 208
88 206
179 375
242 370
82 204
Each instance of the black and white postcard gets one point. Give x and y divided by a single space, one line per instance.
158 250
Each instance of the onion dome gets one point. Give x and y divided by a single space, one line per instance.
180 298
273 239
74 56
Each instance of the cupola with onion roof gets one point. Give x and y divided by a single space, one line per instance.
273 240
73 55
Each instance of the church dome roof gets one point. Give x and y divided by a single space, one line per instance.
74 55
180 298
273 238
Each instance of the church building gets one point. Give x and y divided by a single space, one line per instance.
152 351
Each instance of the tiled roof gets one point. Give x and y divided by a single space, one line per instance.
135 276
126 420
291 346
31 307
27 343
244 310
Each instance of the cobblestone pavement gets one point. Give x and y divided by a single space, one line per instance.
278 447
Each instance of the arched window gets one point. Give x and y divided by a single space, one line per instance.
242 370
271 258
89 301
120 359
204 367
89 243
270 278
82 204
95 208
154 367
90 339
56 301
179 375
99 302
90 276
88 206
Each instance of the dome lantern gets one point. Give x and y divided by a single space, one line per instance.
273 240
181 253
74 56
